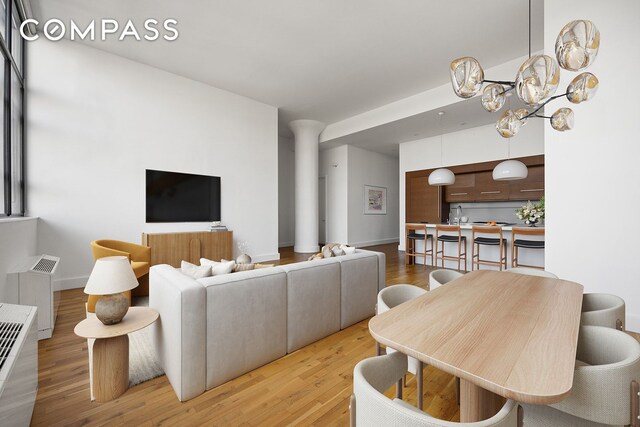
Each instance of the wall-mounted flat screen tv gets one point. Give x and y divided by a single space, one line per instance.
182 197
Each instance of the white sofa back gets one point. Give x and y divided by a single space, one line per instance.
215 329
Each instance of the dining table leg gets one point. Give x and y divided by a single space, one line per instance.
476 403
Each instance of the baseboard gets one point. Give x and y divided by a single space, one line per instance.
70 283
265 257
374 242
285 244
632 323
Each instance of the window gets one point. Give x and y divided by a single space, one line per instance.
12 48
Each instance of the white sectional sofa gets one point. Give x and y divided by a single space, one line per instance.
215 329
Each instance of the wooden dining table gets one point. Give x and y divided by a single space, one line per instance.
505 335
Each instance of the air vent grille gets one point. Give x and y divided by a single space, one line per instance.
45 265
9 332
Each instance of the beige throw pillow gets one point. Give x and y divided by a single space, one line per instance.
218 268
195 271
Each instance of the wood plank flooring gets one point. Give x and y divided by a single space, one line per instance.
308 387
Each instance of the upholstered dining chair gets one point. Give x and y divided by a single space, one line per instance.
139 256
532 272
442 276
388 298
603 310
605 383
370 407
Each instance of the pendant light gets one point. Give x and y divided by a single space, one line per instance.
510 170
441 176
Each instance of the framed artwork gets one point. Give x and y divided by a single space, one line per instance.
375 200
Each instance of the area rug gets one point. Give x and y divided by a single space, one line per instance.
143 363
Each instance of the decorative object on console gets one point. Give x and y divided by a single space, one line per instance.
111 277
441 176
375 200
243 248
531 213
537 79
243 259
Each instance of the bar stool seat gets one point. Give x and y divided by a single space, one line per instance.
488 241
519 243
412 236
448 238
531 244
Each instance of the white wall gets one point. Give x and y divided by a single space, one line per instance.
475 145
333 164
371 168
18 238
592 167
96 121
286 192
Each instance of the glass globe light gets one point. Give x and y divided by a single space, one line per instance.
508 124
577 45
562 119
466 76
582 88
521 113
493 97
537 79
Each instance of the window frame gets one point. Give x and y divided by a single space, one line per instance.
10 67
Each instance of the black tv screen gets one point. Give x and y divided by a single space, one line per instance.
182 197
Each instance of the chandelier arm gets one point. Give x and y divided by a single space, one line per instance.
502 82
533 113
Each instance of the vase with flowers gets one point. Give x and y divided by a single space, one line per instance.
531 213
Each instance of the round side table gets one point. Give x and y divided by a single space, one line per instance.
111 350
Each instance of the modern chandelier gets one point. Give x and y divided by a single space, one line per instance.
537 79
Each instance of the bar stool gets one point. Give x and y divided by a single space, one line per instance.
489 241
527 244
448 238
412 235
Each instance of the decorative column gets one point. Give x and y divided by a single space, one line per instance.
306 134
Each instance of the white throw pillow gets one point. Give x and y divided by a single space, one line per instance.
218 268
195 271
337 251
348 250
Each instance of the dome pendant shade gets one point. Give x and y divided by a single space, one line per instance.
509 170
441 177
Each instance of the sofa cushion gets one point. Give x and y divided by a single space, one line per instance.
359 287
246 322
313 301
218 267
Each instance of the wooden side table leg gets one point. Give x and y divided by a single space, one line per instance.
477 404
110 367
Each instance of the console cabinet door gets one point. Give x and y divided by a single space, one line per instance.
531 188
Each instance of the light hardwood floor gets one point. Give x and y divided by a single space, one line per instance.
308 387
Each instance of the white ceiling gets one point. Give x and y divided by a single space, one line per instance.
316 59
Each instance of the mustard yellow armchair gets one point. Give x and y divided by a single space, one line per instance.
139 256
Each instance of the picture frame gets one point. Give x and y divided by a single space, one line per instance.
375 200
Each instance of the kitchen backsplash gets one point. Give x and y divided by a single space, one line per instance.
487 211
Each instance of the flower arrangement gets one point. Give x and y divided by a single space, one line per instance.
531 213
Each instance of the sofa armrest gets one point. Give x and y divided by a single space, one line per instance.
140 253
382 259
100 251
179 335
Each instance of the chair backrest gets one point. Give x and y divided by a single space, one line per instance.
527 231
486 229
601 387
440 277
394 295
444 229
532 272
373 376
603 310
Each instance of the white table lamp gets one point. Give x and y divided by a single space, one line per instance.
111 277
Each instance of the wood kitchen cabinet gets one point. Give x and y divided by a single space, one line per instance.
463 190
424 202
530 188
489 189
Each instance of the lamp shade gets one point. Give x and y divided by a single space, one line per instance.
111 275
510 170
441 176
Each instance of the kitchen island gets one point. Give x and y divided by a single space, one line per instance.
525 256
